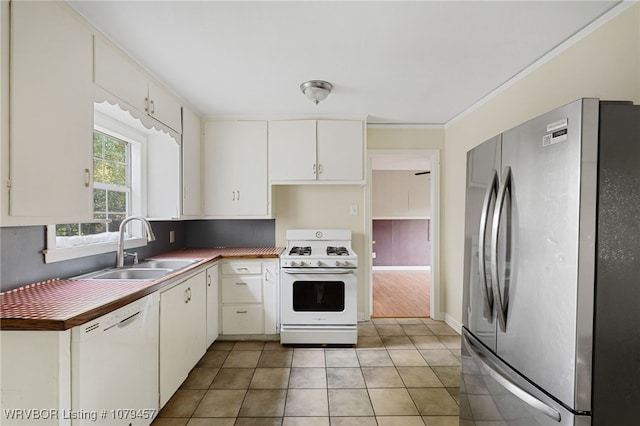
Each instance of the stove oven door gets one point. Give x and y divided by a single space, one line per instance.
319 296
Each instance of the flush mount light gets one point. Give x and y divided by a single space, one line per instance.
316 90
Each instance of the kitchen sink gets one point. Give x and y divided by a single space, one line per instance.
173 264
131 274
146 270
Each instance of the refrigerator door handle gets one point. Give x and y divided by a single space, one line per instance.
503 379
501 300
491 193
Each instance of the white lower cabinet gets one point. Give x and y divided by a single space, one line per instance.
213 299
249 296
183 314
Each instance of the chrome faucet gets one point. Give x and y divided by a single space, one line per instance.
120 253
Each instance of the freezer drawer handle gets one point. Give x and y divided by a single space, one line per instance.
502 300
492 193
495 372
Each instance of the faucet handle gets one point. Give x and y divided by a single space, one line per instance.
134 255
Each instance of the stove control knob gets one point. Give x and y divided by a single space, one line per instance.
317 263
338 263
294 263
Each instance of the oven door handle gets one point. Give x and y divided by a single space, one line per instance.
318 271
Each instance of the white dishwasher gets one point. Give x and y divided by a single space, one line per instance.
114 366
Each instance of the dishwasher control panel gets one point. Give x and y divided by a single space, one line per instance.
113 318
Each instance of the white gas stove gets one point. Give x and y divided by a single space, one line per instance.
319 288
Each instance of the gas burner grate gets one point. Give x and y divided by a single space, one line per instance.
300 251
337 251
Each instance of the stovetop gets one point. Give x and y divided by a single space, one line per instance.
319 248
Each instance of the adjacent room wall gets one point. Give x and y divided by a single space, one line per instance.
605 64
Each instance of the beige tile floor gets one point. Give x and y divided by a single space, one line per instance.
402 372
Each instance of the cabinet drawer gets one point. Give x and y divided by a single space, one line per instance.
242 319
241 268
242 289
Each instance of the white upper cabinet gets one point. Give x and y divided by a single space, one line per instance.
235 169
292 150
121 77
191 164
51 113
305 151
340 150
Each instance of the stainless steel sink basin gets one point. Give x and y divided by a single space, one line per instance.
131 274
173 264
146 270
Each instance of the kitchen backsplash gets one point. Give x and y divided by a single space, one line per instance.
21 259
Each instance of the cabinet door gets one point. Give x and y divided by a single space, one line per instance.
118 75
271 280
292 150
191 164
51 112
164 107
251 168
340 147
212 305
219 169
235 169
182 335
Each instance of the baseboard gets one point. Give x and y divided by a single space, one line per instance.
457 326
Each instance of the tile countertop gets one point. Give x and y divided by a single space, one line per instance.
60 304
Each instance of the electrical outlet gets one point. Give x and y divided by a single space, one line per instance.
172 236
354 210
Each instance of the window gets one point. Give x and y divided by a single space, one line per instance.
111 193
111 179
117 193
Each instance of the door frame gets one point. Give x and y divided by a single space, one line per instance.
434 297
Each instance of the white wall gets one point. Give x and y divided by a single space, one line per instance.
604 64
323 207
400 194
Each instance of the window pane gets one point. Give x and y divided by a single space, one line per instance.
92 228
116 219
66 229
98 170
115 150
98 140
117 202
99 201
115 173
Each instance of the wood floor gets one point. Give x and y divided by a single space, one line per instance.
401 294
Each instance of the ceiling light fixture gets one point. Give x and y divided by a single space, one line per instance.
316 90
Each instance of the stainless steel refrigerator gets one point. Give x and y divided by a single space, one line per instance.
551 305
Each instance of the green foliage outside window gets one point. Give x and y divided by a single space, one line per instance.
111 187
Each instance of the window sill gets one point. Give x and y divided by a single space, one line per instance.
68 253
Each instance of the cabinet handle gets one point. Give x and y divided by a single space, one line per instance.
238 195
186 295
241 283
243 268
153 107
146 107
87 177
208 280
314 170
241 312
319 169
233 194
189 290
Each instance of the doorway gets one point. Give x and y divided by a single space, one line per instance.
402 217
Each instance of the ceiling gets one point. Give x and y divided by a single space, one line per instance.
415 62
